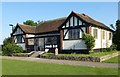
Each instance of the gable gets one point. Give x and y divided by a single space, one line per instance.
72 21
18 31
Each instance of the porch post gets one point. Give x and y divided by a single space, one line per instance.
26 43
61 40
87 30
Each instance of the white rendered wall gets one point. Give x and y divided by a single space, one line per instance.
65 30
99 41
74 44
109 40
104 41
30 35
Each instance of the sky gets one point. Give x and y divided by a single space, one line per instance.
18 12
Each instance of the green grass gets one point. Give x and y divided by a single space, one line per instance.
113 60
0 52
15 67
93 54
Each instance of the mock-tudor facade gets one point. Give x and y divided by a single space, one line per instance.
63 33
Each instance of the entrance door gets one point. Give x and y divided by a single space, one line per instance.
41 44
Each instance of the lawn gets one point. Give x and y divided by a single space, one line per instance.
113 60
92 54
15 67
0 52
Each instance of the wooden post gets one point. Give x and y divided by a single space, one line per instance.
56 52
13 39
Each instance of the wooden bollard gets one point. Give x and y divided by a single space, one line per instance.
56 52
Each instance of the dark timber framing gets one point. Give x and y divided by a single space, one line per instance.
77 23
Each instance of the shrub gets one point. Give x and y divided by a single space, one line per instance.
113 47
7 41
89 40
9 49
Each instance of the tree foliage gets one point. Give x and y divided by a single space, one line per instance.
10 49
116 35
89 40
7 41
32 23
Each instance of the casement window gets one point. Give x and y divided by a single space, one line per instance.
95 33
74 34
51 40
30 41
110 36
20 39
103 34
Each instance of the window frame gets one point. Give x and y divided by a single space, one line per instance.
74 34
103 34
110 36
21 39
95 33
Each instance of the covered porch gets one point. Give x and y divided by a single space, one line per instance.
40 43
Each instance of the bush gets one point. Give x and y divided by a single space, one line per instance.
87 58
89 40
7 41
113 47
10 49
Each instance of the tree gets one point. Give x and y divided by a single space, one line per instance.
111 25
116 35
7 41
9 48
89 40
39 22
30 22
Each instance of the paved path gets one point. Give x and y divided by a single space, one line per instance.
67 62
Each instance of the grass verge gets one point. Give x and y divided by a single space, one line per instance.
113 60
16 67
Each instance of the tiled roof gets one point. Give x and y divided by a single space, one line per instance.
27 28
88 19
53 25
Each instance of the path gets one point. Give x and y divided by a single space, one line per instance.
67 62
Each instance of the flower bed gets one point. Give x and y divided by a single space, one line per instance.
78 57
23 54
87 58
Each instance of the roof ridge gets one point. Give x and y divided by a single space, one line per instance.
55 19
26 25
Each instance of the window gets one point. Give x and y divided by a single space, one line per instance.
110 36
103 34
51 40
74 33
30 41
95 33
19 39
